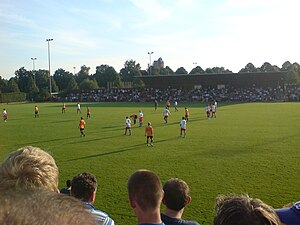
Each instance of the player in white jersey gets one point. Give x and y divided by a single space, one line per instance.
127 125
141 117
213 111
78 107
166 114
176 106
183 127
4 115
207 110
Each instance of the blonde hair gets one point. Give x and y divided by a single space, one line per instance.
41 207
29 167
243 210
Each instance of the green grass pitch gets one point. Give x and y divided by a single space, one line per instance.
249 148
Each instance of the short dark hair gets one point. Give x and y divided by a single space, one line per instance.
176 194
243 210
83 185
145 188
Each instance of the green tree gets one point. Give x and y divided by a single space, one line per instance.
22 77
106 74
72 85
42 79
130 70
181 70
286 66
82 74
292 76
62 78
249 68
12 85
166 71
32 89
88 85
4 85
197 70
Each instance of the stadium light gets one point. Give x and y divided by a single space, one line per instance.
33 67
50 86
150 53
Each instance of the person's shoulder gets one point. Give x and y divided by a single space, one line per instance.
175 221
102 217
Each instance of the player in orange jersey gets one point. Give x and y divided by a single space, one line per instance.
81 126
36 111
149 134
88 112
63 109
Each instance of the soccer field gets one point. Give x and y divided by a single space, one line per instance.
249 148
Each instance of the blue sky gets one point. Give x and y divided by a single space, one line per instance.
228 33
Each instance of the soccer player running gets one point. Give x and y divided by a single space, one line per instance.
127 125
155 104
183 127
166 114
81 126
149 134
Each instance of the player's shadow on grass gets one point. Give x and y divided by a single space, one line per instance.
51 140
125 149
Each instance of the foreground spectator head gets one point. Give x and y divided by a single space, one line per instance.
39 207
84 187
29 167
290 215
243 210
145 196
176 194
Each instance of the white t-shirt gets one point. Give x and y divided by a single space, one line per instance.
213 108
175 103
4 113
128 122
183 124
141 115
78 106
166 112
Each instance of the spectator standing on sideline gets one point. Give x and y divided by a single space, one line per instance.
176 198
145 196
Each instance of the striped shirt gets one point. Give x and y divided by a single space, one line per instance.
102 217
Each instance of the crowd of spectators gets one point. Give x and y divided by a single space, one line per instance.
229 94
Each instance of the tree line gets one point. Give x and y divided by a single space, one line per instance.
36 83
